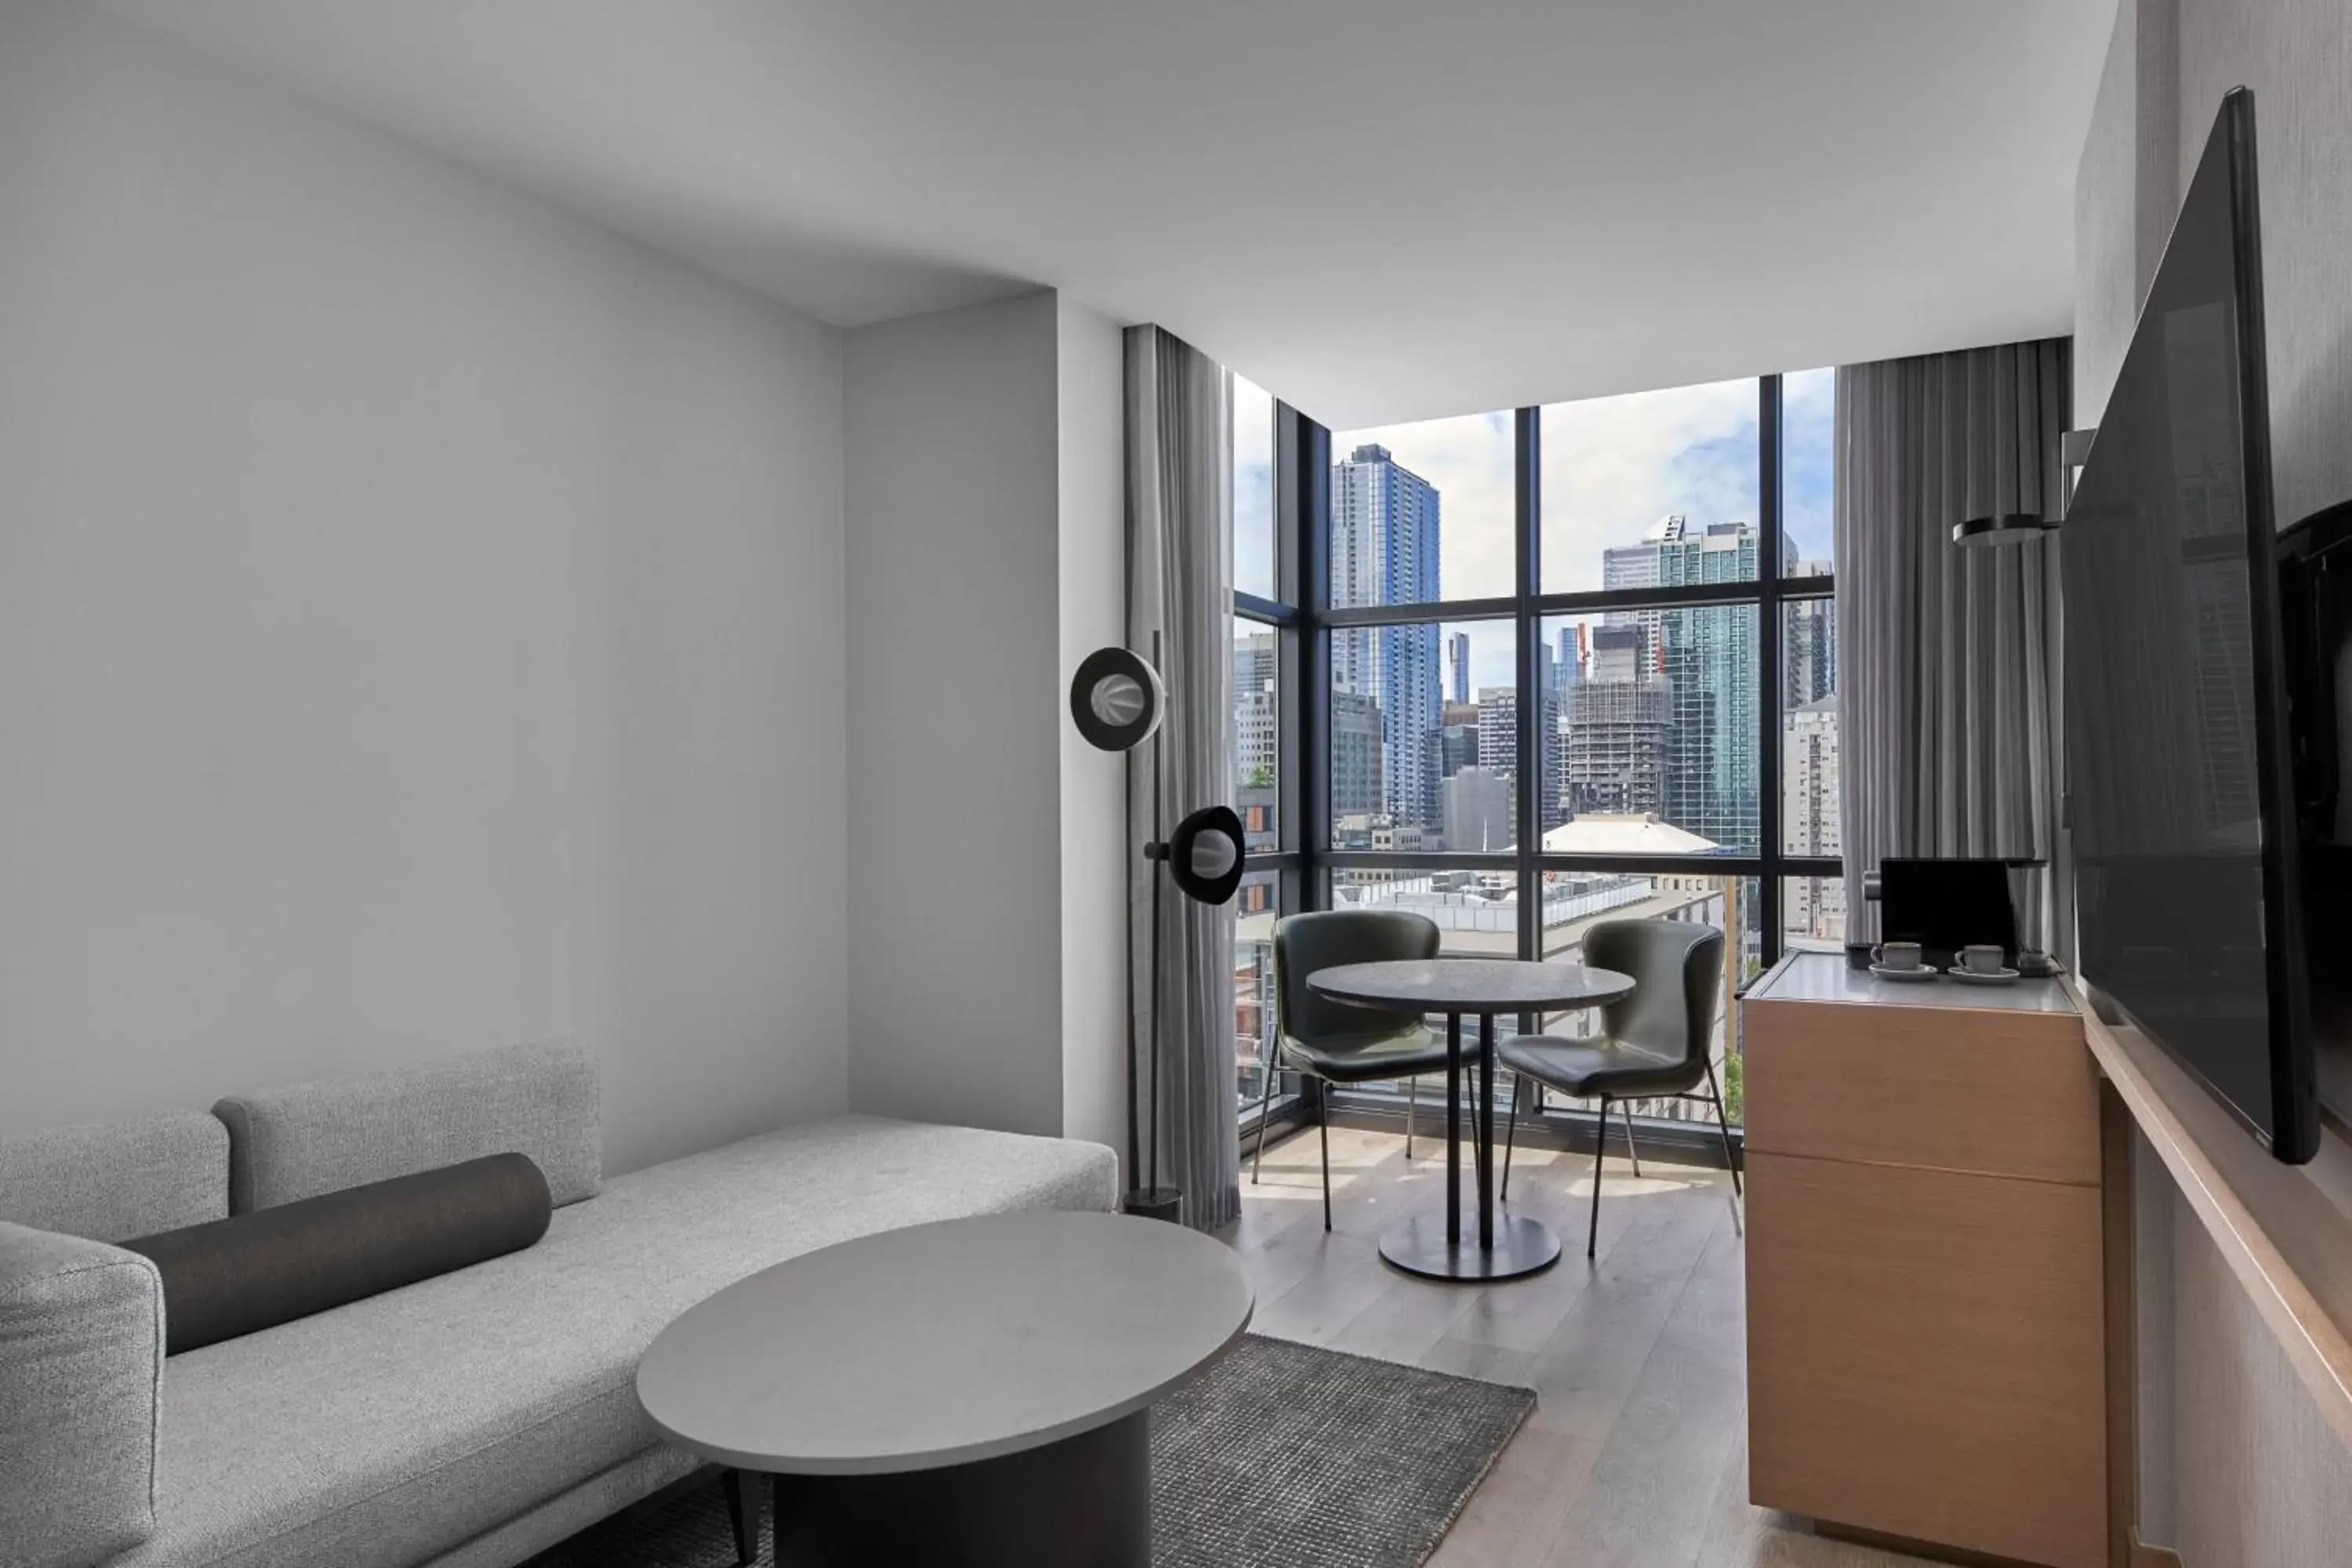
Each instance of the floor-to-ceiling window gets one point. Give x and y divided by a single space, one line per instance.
1265 658
1546 667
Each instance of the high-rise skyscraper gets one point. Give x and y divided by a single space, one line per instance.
1477 807
1708 655
1253 709
1453 746
1619 723
1498 741
1355 754
1809 648
1809 815
1458 740
1253 661
1571 654
1384 547
1457 667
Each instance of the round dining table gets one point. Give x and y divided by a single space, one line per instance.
1432 1245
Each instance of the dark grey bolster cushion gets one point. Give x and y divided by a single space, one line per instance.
253 1272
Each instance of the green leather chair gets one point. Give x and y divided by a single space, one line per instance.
1335 1041
1653 1044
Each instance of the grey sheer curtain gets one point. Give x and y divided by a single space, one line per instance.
1179 586
1946 655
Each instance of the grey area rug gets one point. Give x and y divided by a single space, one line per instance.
1280 1454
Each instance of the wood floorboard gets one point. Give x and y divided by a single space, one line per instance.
1348 1277
1636 1454
1519 1511
1585 1370
1646 1505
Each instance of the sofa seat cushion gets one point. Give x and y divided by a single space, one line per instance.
393 1428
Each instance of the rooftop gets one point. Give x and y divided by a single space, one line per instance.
1624 833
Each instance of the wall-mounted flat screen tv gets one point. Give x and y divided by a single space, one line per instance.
2178 765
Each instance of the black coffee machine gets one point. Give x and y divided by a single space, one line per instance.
1944 904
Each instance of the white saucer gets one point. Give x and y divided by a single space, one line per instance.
1924 972
1998 977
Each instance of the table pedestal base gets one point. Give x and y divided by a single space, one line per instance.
1418 1245
1084 1500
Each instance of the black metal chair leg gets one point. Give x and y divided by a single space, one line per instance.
1519 1089
1411 1101
1723 1125
1599 1153
1323 1128
1257 1155
745 1494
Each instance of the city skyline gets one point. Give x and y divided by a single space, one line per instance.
1697 669
1612 467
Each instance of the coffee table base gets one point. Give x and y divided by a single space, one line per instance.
1084 1501
1418 1245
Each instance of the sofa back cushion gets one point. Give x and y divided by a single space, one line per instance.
115 1179
296 1143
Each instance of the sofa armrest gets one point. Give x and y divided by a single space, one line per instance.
81 1372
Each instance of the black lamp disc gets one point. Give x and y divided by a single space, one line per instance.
1204 854
1115 700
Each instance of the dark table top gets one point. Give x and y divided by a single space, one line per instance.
1470 985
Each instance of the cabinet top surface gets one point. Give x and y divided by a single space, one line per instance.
1825 977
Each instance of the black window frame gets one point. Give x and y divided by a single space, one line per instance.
1295 1102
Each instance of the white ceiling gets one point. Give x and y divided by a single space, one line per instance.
1380 209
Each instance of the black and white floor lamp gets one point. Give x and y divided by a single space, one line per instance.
1116 700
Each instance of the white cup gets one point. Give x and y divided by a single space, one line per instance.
1897 955
1982 958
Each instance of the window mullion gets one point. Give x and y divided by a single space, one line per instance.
1769 645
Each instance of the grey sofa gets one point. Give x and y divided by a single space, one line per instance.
468 1421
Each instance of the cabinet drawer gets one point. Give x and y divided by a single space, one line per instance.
1945 1088
1924 1356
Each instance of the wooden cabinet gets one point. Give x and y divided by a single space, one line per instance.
1925 1323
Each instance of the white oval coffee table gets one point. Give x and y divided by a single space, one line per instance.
975 1392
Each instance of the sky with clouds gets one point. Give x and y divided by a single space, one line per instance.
1612 468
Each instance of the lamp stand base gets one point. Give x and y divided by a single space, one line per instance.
1154 1203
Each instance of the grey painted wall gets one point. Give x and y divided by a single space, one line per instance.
2237 1468
2296 55
2168 67
421 622
984 504
1093 612
953 495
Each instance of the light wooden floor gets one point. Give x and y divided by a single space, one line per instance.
1636 1454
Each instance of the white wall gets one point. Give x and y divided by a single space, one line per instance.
985 506
2237 1468
421 622
1095 855
952 486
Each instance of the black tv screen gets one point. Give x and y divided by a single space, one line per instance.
2179 782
